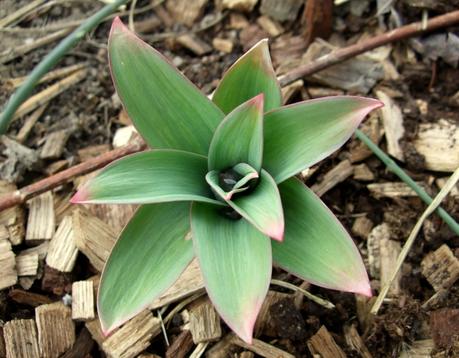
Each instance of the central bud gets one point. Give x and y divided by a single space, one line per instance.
231 183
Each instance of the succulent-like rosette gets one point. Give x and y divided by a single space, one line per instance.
224 171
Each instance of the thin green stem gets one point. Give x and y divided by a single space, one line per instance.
391 165
51 59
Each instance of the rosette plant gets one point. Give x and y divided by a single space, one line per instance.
223 171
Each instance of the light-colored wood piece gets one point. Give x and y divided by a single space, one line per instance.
54 144
289 91
41 250
323 345
281 10
418 349
393 190
134 337
199 350
62 251
12 218
8 273
4 234
56 330
49 93
359 75
83 300
29 123
355 342
246 354
21 339
116 216
95 330
194 44
372 128
362 227
41 220
92 151
439 144
185 11
389 251
378 234
188 283
273 28
363 173
50 76
123 136
339 173
240 5
441 268
238 21
205 323
263 349
27 264
392 119
223 45
93 237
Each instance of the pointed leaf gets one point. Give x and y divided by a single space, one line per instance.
316 247
249 76
167 109
239 137
149 256
261 207
300 135
235 260
150 177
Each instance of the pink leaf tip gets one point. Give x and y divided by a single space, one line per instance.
258 101
276 232
362 288
118 24
80 196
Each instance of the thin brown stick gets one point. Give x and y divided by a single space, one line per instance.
348 52
29 191
12 53
8 20
451 18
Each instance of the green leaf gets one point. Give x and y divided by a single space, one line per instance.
149 256
235 260
261 207
167 109
150 177
249 76
300 135
316 247
239 137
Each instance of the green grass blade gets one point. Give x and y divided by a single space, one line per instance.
235 260
148 257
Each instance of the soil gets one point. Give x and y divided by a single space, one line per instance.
92 109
